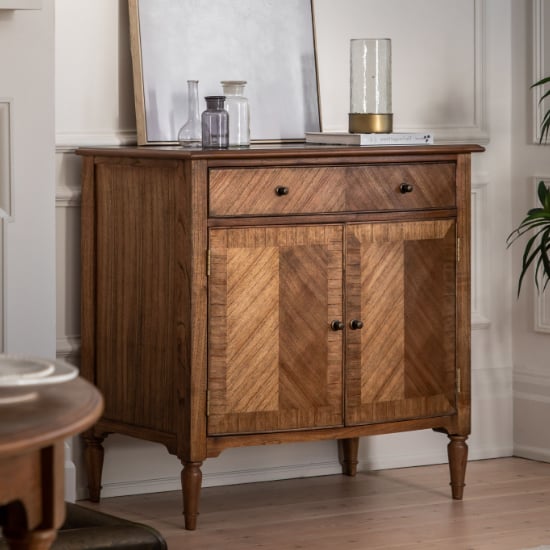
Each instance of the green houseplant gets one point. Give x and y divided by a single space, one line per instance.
537 220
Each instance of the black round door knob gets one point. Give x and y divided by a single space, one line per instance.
280 190
337 325
356 325
406 188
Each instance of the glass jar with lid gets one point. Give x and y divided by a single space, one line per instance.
215 123
239 115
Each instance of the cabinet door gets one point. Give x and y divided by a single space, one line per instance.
274 363
401 284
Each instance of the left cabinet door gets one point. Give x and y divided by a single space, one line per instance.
274 362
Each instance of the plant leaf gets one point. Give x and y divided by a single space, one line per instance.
541 81
542 192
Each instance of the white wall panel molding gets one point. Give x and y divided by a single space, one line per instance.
68 349
541 59
532 385
6 194
68 194
475 130
438 63
532 410
542 299
20 4
542 312
68 142
480 319
6 157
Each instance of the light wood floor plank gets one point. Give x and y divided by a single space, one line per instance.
506 507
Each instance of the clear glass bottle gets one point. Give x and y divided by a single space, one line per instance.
189 134
239 114
215 123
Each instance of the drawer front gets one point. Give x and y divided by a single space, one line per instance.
326 189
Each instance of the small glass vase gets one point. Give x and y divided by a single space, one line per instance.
190 134
239 115
215 123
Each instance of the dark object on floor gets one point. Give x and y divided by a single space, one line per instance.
86 529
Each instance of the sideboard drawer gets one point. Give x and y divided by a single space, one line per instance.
309 190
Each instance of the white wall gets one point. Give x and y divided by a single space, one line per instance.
452 75
531 163
27 253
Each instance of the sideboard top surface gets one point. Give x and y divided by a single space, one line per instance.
264 151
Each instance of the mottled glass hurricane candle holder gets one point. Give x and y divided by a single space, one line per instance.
215 123
370 86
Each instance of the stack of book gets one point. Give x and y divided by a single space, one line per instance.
344 138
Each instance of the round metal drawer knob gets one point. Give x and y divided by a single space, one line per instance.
280 191
356 325
406 188
337 325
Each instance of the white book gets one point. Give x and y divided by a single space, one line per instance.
396 138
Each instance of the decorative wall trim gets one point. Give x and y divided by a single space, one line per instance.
542 313
532 385
477 132
479 231
68 349
6 201
542 299
69 142
68 194
541 59
532 397
20 4
6 157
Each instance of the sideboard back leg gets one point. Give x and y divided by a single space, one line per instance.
191 480
458 456
348 450
93 455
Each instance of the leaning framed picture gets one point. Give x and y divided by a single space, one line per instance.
267 43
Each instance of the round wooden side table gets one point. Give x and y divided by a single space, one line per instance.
32 456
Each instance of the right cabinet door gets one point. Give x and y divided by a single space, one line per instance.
400 290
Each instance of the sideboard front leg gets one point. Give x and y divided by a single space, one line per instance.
349 449
93 456
458 456
191 479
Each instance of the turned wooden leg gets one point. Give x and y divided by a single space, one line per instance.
191 479
93 456
348 450
31 540
458 456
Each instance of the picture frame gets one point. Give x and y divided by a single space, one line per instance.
270 44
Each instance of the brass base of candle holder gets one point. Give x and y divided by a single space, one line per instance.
371 123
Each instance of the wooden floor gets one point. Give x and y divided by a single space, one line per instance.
506 507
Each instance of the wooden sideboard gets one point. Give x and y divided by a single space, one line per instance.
276 294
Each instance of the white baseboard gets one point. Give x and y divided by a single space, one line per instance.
294 471
235 477
532 453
